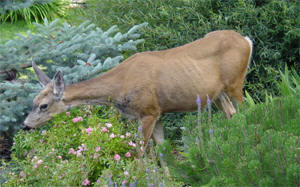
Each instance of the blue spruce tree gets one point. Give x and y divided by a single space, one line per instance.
81 52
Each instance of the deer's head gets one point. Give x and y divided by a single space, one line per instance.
48 101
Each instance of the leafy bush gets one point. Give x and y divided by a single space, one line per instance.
32 10
258 147
81 147
272 25
81 52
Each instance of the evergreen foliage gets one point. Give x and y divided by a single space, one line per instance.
259 146
81 52
31 10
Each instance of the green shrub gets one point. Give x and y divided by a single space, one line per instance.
272 25
259 146
84 144
32 11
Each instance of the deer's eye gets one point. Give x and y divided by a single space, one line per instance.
43 107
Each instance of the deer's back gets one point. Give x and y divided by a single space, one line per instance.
172 78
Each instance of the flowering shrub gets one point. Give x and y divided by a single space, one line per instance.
80 148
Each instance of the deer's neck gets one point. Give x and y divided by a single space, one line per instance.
97 91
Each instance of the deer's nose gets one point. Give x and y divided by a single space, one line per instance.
25 128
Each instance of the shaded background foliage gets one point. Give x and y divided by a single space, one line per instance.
271 24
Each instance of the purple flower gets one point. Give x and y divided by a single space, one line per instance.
198 100
140 128
211 131
208 101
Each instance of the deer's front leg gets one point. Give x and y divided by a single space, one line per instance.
148 123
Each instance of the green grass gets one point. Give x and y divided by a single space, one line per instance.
8 30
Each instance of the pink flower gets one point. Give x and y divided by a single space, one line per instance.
89 130
124 181
117 157
41 141
77 119
85 182
35 166
14 143
108 125
141 142
82 148
98 149
104 129
72 151
112 135
22 174
128 155
128 134
45 167
126 173
59 157
43 132
122 136
68 113
39 162
78 153
96 155
132 144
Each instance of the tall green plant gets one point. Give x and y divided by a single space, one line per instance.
257 147
32 10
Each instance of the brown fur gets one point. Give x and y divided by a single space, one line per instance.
149 84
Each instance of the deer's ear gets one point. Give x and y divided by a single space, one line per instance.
58 84
43 78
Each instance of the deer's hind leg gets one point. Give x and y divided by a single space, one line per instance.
224 103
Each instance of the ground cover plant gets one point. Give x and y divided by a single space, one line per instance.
86 146
259 146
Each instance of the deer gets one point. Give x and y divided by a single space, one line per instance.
149 84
